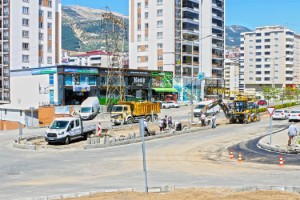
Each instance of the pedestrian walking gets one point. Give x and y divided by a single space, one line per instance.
165 121
146 126
213 121
292 132
161 125
203 117
170 122
99 129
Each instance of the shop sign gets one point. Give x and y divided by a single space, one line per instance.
162 79
62 110
138 81
138 72
52 70
85 70
81 88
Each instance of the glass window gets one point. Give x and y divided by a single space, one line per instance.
25 22
160 24
51 79
160 45
159 35
159 12
25 46
146 15
159 2
92 80
49 15
49 60
25 34
25 58
139 5
25 10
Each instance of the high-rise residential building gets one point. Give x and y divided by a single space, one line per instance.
231 78
270 56
30 37
183 36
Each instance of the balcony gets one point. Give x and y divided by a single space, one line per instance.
216 26
217 36
218 17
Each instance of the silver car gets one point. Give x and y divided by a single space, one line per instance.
294 115
280 114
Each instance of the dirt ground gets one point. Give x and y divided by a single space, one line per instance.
196 194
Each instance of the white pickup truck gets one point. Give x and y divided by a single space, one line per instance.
67 129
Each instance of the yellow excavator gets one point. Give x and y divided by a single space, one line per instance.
238 110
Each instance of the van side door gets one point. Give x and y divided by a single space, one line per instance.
77 128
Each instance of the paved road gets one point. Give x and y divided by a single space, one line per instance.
193 160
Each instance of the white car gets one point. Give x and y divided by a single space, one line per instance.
165 105
294 115
280 114
173 104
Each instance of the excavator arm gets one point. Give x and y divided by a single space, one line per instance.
222 105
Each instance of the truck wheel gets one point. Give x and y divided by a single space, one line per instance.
155 118
129 120
148 118
67 140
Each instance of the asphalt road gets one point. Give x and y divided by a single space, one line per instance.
197 159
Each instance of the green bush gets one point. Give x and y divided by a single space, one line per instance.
102 101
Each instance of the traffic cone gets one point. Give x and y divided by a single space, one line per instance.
280 161
231 154
240 157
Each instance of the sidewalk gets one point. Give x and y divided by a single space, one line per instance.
279 143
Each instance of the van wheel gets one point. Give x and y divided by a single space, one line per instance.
67 140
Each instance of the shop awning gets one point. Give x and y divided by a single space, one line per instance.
164 89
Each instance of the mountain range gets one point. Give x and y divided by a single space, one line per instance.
84 29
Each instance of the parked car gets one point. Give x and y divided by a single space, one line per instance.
294 115
165 105
173 104
280 114
262 102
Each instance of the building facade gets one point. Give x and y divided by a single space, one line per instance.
183 36
35 27
270 57
231 78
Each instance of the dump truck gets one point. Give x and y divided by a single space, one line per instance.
128 112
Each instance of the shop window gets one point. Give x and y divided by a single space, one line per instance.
92 80
51 79
68 80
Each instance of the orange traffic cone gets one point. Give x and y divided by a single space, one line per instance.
231 154
240 157
280 161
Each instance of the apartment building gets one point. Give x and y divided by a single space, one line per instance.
270 57
30 37
183 36
231 78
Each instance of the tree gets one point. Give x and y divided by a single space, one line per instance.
270 93
297 93
289 93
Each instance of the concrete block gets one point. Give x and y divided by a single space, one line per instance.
296 189
97 140
125 190
154 189
289 188
278 188
111 190
71 195
88 141
263 188
41 198
54 197
249 189
82 194
138 189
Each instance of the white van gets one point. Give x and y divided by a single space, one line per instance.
89 108
200 106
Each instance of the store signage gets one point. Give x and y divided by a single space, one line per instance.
162 79
138 81
85 70
81 88
139 72
52 70
60 110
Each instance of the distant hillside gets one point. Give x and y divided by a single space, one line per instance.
83 28
233 34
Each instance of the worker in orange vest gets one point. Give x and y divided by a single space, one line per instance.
99 129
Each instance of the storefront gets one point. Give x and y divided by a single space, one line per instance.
138 84
77 83
162 86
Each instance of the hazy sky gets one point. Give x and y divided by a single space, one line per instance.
249 13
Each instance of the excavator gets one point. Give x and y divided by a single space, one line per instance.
238 111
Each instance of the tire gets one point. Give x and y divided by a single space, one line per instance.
148 118
67 140
129 120
155 118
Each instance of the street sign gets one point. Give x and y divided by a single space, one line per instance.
271 110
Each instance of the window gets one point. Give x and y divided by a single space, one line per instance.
160 57
159 45
139 5
258 34
41 47
21 112
159 35
159 2
258 53
50 37
25 46
159 12
146 4
267 53
25 22
41 36
267 40
160 24
139 16
25 58
49 25
160 68
49 49
267 72
41 13
25 10
146 25
51 79
267 34
49 15
25 34
267 66
258 41
139 37
139 48
258 60
41 59
267 46
146 15
41 24
50 3
258 66
258 72
258 47
40 2
49 60
146 38
139 27
26 1
267 79
77 122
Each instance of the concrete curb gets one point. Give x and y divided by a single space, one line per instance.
167 188
149 138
